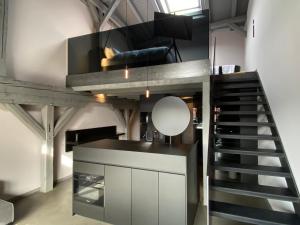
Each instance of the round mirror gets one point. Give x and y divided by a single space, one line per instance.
171 116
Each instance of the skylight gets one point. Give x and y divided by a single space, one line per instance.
180 6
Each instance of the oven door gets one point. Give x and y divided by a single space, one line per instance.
88 190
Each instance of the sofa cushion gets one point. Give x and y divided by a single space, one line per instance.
6 212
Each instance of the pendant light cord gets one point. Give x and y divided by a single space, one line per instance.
126 33
148 53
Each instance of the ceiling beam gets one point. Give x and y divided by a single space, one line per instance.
233 8
109 13
27 93
102 8
155 6
96 3
135 12
224 23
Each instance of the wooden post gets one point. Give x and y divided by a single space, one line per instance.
47 149
3 35
127 125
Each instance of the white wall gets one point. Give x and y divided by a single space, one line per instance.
274 52
37 52
230 48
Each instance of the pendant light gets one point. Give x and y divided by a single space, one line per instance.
126 72
147 94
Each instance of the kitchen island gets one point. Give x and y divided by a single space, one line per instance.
136 183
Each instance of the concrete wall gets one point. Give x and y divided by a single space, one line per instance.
230 47
37 52
274 52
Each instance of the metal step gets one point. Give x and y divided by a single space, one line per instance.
223 103
238 94
252 215
247 137
257 152
245 124
253 169
236 77
243 113
259 191
240 86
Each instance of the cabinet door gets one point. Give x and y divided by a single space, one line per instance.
117 195
144 197
172 201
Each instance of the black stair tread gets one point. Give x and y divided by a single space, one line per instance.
247 137
239 86
236 77
243 113
250 124
252 215
238 94
261 152
260 191
253 169
240 103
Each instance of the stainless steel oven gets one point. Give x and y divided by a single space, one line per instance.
88 190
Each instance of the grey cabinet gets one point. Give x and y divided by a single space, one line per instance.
172 199
144 197
118 195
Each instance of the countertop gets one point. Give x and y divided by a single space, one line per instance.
137 146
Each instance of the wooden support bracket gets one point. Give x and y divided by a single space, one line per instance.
26 119
64 119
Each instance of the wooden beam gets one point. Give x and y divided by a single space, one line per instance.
224 23
237 28
205 4
27 120
134 11
96 3
3 35
127 125
20 92
95 16
114 20
47 150
109 13
64 119
155 5
132 115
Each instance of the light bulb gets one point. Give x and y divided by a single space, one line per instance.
126 73
147 93
101 98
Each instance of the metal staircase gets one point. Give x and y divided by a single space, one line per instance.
239 110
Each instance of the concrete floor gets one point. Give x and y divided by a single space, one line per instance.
54 208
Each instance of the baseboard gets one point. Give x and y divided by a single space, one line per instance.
29 193
25 195
63 179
